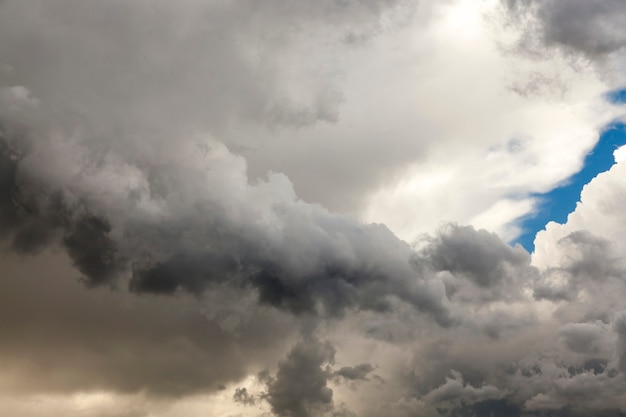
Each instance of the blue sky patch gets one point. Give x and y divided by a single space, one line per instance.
558 203
617 96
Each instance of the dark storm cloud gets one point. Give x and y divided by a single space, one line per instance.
37 226
100 103
216 234
300 386
91 248
329 281
503 408
32 225
94 101
193 272
480 264
8 167
479 255
594 29
305 260
358 372
483 409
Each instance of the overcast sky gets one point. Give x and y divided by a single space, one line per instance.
310 208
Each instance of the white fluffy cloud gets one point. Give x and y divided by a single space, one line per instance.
599 212
499 126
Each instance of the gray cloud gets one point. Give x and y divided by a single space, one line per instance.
300 386
88 173
241 395
308 262
594 29
297 256
358 372
202 64
103 174
582 337
480 264
348 268
592 264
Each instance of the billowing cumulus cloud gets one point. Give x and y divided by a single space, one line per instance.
299 388
199 222
156 260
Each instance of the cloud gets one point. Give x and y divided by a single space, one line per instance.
200 62
297 256
509 353
139 155
475 167
481 259
455 389
583 337
355 372
242 396
60 338
300 386
582 258
593 29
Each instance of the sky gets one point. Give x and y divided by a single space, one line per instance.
312 208
556 204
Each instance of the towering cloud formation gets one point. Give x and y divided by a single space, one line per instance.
121 162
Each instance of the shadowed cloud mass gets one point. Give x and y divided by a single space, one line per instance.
155 263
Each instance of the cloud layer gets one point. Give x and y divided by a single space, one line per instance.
156 263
